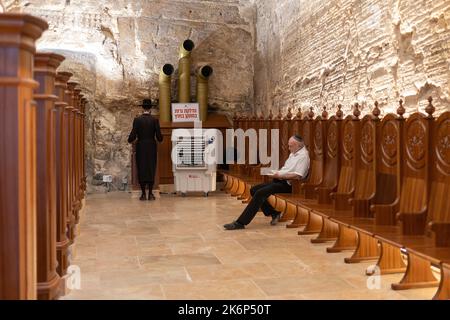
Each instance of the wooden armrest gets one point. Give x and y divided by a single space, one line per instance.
413 223
442 232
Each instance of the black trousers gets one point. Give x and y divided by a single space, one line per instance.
144 184
260 193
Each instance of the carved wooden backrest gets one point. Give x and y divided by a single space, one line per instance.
245 124
414 193
439 205
254 124
284 137
349 154
269 125
297 126
292 126
365 163
276 125
316 153
264 127
307 128
388 178
332 154
237 123
261 125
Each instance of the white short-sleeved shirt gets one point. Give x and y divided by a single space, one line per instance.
297 163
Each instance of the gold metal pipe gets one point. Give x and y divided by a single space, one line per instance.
203 73
165 77
184 71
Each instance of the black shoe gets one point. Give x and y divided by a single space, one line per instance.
151 196
234 226
275 219
143 197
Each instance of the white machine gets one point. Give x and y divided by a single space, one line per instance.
194 159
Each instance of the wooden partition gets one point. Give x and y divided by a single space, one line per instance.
76 205
350 153
316 154
18 34
244 125
332 161
415 180
388 177
62 159
69 122
285 125
83 145
44 73
439 207
307 130
76 160
365 183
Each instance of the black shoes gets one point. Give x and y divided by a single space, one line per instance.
150 197
234 226
275 219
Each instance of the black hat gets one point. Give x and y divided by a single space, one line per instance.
146 103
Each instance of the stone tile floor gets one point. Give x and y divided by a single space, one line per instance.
176 248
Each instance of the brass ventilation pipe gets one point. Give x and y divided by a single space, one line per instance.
203 73
165 77
184 71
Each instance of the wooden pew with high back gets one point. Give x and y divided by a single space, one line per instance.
413 202
282 125
365 190
242 168
252 175
321 214
303 191
318 221
231 183
291 212
433 247
328 183
385 203
356 231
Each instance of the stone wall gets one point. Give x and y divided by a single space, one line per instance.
265 54
324 52
116 48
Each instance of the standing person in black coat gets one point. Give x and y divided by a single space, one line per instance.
146 129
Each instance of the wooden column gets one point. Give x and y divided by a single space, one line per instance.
83 143
80 151
18 34
62 133
70 151
44 73
76 158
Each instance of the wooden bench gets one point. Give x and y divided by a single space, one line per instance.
380 193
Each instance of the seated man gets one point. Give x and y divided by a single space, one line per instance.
296 167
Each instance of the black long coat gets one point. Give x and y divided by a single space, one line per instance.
146 130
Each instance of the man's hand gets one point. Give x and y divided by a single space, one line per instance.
277 176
